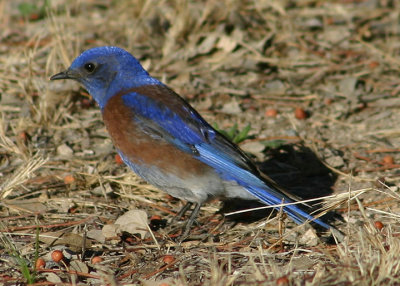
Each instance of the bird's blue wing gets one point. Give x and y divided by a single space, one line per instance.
163 114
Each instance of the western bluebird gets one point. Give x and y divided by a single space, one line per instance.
166 142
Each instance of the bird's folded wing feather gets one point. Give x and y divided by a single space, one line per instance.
163 114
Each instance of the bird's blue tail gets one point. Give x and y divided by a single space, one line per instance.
269 197
238 168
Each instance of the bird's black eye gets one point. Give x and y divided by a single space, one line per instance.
89 67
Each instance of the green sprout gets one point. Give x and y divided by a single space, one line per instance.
234 134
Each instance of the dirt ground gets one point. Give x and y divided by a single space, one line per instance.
318 82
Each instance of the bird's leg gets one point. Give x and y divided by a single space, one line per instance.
191 220
182 211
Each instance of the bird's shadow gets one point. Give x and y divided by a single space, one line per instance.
298 170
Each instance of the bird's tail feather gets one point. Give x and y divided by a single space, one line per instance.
294 211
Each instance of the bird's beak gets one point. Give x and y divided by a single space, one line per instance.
67 74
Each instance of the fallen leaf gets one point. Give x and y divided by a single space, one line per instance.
52 277
79 266
30 206
97 235
109 231
134 222
73 240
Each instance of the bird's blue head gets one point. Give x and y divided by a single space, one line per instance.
105 71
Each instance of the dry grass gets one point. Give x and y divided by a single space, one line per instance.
232 60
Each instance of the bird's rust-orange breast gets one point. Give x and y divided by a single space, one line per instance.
141 148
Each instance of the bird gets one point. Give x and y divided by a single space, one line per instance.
165 141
